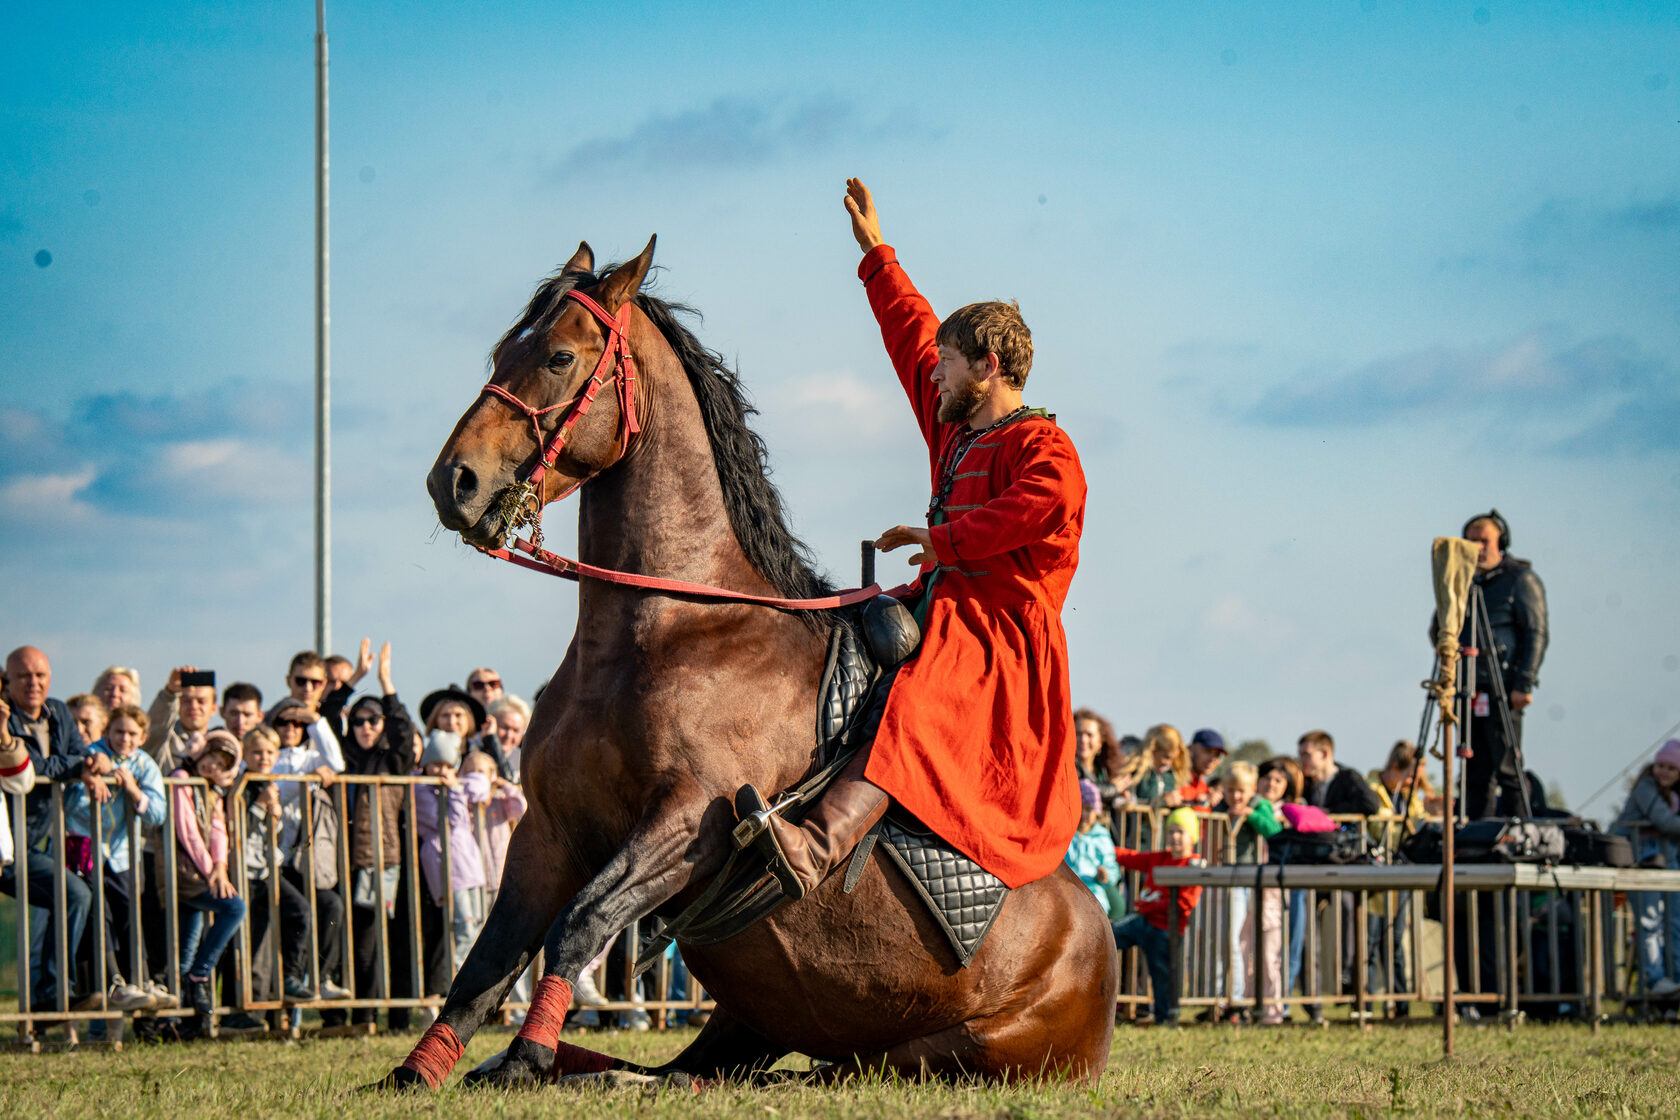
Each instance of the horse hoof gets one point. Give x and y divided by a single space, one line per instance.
523 1065
400 1080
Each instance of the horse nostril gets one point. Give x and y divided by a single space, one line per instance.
465 483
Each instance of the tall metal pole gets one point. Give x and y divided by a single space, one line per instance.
323 362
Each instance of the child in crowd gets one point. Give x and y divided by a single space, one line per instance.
136 786
466 865
1281 782
1091 854
1146 927
1651 819
501 812
1161 767
202 885
1252 821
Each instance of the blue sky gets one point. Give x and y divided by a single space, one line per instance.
1309 283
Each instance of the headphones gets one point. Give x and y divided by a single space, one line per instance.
1503 526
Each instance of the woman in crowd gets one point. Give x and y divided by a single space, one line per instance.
1161 767
1280 782
202 885
91 716
1651 820
1098 759
137 793
116 687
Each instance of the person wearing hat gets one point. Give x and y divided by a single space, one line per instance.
1207 752
1091 853
1651 820
457 711
202 886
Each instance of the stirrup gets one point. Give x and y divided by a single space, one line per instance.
754 831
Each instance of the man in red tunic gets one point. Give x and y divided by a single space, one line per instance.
977 737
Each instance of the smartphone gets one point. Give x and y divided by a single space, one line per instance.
203 678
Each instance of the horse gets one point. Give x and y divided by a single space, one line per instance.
666 704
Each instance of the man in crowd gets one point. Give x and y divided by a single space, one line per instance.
1516 607
1207 752
1329 785
241 708
306 682
56 751
180 716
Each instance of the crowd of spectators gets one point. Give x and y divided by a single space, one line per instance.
109 756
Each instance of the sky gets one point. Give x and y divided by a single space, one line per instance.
1309 283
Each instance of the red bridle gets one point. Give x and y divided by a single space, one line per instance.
540 559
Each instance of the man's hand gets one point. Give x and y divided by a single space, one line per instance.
364 661
5 714
97 788
1521 700
385 669
97 765
326 774
866 223
174 683
900 535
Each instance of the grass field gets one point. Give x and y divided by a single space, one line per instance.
1538 1070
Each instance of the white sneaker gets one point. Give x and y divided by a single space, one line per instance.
165 998
329 990
1665 987
127 997
586 994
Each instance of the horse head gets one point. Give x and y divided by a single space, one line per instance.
537 430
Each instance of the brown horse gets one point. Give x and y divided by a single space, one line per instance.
665 705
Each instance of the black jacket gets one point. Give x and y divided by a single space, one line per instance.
1516 604
61 761
1346 792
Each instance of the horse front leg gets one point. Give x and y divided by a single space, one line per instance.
657 859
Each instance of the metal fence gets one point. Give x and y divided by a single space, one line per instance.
405 961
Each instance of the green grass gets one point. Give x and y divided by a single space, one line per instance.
1537 1070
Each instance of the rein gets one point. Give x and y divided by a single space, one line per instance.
538 559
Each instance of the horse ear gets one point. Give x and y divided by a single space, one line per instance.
626 280
582 261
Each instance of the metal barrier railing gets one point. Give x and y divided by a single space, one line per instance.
396 945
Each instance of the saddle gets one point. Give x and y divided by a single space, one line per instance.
865 649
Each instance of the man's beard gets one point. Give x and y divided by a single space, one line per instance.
960 405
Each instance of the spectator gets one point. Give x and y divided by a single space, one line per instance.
1161 767
117 686
1091 854
138 796
17 775
485 686
273 833
241 709
1146 927
1651 820
202 885
306 681
300 749
1097 756
1252 821
180 716
1332 787
501 813
1207 751
56 754
1280 783
466 865
452 710
381 743
342 679
512 716
91 716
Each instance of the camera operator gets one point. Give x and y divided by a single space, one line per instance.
1516 610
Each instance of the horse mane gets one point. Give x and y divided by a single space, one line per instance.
752 502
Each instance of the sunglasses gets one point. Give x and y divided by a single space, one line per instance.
366 721
309 682
297 723
484 684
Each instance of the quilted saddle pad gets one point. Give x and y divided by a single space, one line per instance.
964 897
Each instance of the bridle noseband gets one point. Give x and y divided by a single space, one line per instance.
624 372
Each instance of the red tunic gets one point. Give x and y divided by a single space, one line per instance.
977 739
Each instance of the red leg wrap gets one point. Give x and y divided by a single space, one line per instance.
575 1059
436 1054
549 1004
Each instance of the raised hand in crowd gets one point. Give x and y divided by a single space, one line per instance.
174 683
364 660
385 685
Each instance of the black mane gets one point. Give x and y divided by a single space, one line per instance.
752 501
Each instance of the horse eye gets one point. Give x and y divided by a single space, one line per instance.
562 359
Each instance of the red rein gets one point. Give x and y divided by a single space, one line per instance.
539 559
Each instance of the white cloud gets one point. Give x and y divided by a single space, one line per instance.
38 497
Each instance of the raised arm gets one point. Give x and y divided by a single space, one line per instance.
908 324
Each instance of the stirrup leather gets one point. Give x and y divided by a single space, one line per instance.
754 831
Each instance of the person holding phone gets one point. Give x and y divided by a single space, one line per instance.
180 715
